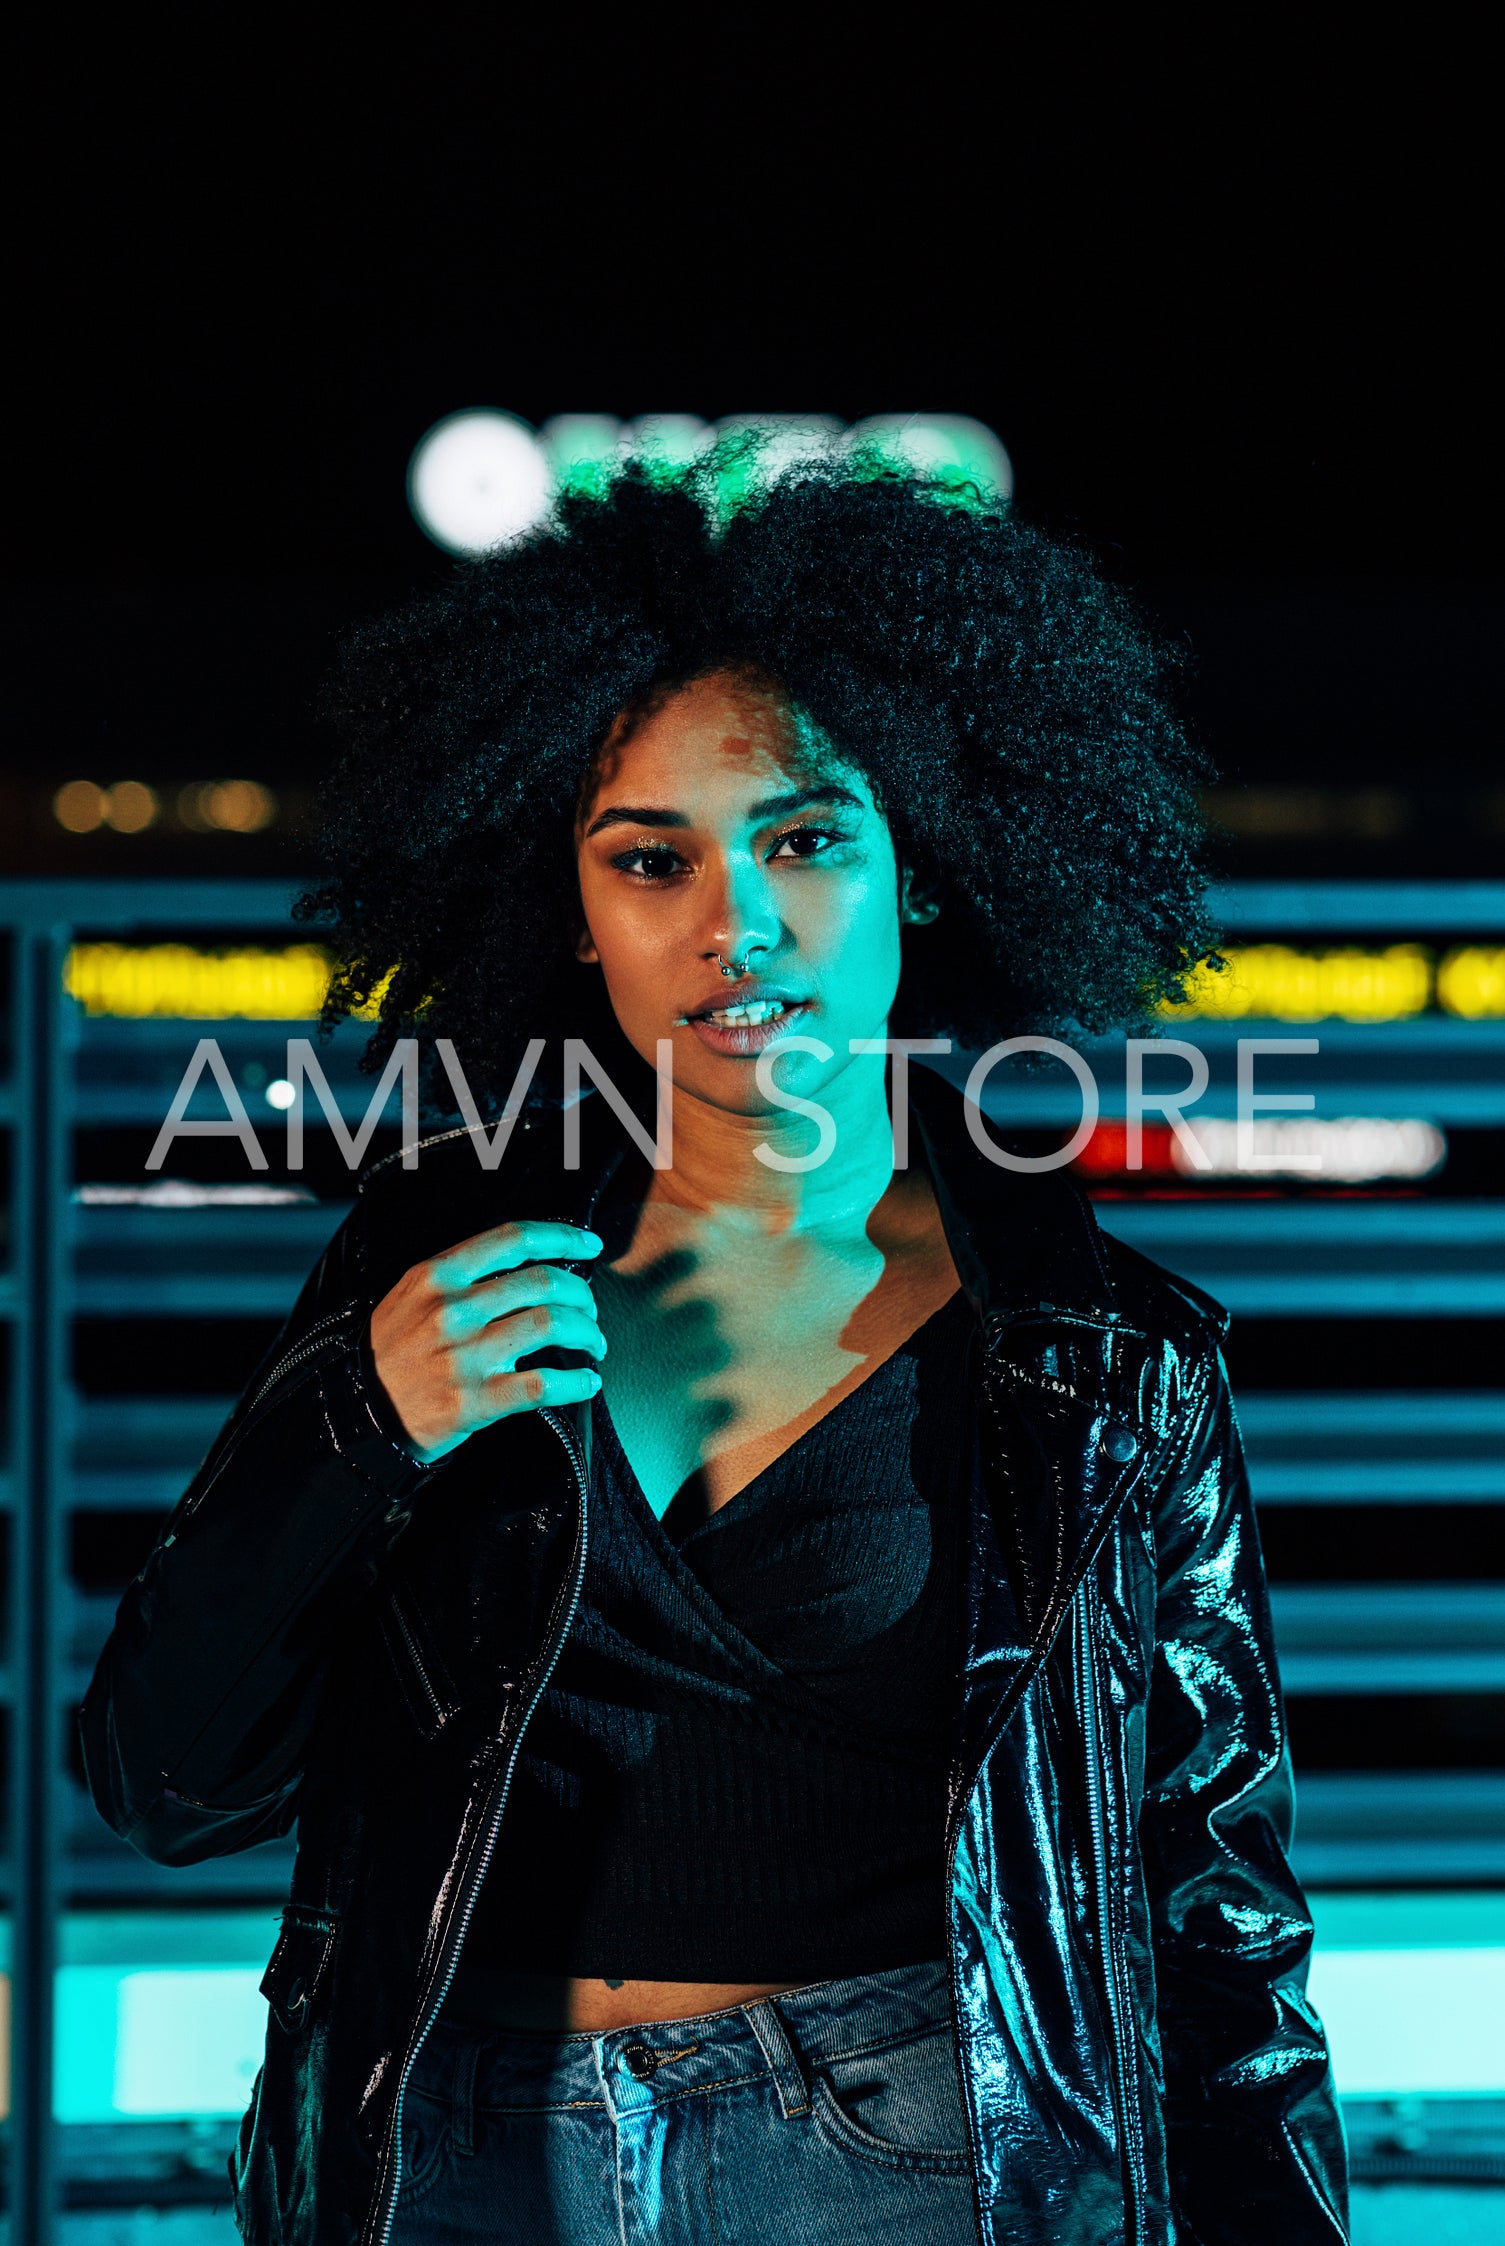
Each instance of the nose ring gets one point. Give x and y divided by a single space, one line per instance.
732 973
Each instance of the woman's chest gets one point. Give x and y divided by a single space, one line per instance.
717 1364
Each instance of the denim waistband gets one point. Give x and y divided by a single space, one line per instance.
517 2070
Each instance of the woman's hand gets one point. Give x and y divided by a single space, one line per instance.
447 1338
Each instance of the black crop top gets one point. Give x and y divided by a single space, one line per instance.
738 1771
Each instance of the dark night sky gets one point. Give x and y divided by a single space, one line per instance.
1223 289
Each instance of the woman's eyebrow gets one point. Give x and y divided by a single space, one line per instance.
637 815
778 806
771 807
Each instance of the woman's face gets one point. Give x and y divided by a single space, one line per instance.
717 830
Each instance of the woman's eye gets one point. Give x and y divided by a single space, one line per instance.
648 864
804 842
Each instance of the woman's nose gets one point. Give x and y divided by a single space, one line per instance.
744 920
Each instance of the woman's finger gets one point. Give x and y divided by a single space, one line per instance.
552 1325
490 1299
506 1394
505 1246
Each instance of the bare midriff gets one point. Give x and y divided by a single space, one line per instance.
570 2005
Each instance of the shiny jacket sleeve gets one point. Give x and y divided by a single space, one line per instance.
195 1721
1254 2131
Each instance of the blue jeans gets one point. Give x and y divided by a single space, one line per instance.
828 2117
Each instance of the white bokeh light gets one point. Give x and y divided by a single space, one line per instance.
670 440
482 478
949 445
479 479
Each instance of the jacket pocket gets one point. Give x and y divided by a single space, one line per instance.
299 1966
427 1688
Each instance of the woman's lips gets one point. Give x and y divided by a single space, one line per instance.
743 1040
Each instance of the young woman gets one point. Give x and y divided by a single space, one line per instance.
751 1600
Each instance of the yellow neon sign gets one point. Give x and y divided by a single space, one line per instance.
1278 982
1471 982
1271 982
135 981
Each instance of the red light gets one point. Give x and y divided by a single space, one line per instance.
1105 1154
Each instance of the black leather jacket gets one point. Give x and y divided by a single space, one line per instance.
329 1633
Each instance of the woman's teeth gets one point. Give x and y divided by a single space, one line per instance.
748 1016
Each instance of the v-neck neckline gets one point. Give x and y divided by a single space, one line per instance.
628 1472
734 1641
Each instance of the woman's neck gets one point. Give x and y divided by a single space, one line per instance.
718 1171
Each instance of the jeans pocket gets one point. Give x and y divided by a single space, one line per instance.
900 2105
427 2127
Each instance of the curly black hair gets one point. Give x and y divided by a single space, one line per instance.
1010 709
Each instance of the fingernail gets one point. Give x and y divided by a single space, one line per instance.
594 1240
595 1381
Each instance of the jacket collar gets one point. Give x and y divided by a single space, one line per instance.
1023 1242
1026 1248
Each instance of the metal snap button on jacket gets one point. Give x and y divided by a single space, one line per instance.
1120 1444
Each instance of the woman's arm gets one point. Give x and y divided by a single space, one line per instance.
194 1724
1255 2134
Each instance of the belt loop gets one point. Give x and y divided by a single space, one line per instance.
462 2122
774 2043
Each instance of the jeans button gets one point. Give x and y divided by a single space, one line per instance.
639 2061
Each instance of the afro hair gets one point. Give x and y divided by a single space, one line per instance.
1009 707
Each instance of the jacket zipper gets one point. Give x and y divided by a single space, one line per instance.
441 1713
955 1818
386 2210
1125 2082
1125 2089
386 2213
317 1338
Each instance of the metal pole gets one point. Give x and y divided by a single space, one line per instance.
39 1565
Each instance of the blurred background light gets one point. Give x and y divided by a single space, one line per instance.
1342 1149
581 450
1285 814
1471 982
1411 1989
1351 1149
477 480
960 451
189 2039
1286 985
173 2040
184 1193
226 806
129 807
79 806
1274 982
481 478
757 447
670 441
184 983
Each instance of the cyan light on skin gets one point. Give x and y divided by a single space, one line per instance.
721 826
688 856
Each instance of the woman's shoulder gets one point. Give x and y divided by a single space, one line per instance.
1161 1302
452 1184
